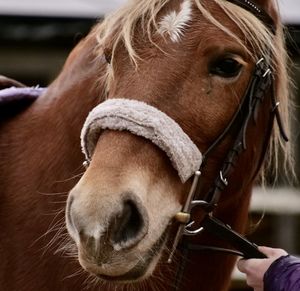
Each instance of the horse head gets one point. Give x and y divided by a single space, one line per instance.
192 60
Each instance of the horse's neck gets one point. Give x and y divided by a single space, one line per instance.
40 153
47 134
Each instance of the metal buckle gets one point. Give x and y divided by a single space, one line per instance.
259 61
267 72
196 231
224 180
275 107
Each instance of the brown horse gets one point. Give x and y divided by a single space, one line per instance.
191 59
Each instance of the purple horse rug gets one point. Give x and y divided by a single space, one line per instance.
14 94
13 100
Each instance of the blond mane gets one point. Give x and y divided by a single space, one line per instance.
120 26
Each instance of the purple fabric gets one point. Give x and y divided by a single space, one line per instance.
13 94
283 275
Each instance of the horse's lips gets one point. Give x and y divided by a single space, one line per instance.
133 275
140 269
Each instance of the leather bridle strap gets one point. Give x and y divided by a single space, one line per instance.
254 96
223 231
259 84
257 11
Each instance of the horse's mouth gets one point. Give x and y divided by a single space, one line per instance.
134 274
139 271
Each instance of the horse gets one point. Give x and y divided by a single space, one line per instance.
193 61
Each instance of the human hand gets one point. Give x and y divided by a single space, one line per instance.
256 268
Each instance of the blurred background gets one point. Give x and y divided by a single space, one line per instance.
36 37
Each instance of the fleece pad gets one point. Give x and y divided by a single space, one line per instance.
143 120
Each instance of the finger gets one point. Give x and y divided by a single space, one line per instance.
272 252
241 265
251 265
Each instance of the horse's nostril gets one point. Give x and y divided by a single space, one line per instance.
127 227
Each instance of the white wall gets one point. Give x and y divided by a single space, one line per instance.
95 8
290 11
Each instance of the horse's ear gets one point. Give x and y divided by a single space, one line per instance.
270 7
7 83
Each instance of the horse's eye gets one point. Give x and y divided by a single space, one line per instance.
226 68
107 55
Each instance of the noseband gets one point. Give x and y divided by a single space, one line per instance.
114 115
147 121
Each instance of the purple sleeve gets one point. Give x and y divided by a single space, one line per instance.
283 275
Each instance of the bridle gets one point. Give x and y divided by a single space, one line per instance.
260 83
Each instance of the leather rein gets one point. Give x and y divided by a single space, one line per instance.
260 83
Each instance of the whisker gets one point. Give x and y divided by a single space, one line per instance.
79 272
71 178
65 193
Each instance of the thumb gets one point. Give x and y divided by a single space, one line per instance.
272 252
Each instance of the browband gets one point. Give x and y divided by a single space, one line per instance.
256 10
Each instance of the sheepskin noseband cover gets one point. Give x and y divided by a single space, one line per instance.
143 120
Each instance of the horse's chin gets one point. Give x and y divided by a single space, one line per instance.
129 271
142 270
138 272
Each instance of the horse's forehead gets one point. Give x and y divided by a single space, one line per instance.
176 20
179 15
